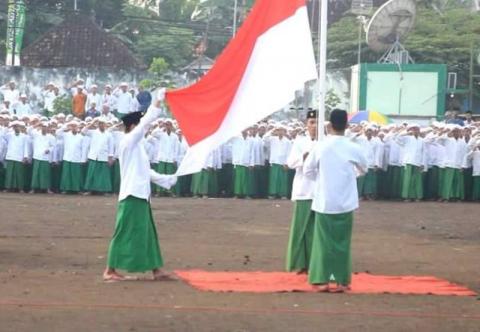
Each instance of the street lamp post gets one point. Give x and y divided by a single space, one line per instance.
322 66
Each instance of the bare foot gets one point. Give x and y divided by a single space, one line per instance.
321 288
339 289
302 271
159 275
112 276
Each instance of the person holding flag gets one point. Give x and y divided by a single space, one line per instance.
134 246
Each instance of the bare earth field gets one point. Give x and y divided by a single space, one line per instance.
53 248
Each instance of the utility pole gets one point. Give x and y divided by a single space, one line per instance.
75 7
14 40
470 79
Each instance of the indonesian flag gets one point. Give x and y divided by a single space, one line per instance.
256 75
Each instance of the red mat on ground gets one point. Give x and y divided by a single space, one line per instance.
274 282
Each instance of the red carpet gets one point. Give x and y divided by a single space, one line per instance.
274 282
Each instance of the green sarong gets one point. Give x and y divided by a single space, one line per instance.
476 188
370 183
468 183
225 180
182 188
41 175
15 175
331 256
382 184
278 181
301 236
56 176
430 184
360 185
116 177
72 177
98 177
242 181
2 176
164 168
134 246
394 181
261 179
195 184
452 186
290 178
412 187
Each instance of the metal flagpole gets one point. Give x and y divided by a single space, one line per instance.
235 10
322 66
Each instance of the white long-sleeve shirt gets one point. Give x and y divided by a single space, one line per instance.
258 151
72 146
101 145
332 164
242 151
94 98
124 102
413 150
43 146
455 151
279 150
373 148
135 169
168 147
17 146
474 157
303 186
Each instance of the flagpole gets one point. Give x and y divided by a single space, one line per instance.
322 66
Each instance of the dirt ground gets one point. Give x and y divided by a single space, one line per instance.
52 254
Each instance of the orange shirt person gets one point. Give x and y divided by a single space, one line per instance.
78 103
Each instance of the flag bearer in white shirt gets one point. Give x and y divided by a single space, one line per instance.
100 158
414 162
135 246
43 146
279 146
303 220
16 158
332 163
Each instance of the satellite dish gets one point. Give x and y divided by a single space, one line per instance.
389 26
362 7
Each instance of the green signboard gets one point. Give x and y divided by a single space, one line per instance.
15 29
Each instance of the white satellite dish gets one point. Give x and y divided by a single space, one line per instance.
388 27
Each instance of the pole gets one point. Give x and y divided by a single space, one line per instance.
470 80
322 66
75 7
359 61
235 11
14 40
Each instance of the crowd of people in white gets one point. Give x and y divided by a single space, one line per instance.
78 152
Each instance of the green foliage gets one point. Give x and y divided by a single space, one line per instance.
63 105
158 67
332 100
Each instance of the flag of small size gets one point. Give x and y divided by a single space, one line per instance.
257 74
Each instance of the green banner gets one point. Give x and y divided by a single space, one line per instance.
15 29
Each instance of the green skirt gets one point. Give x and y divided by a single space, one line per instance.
15 175
331 255
243 181
56 176
370 183
225 180
394 180
301 236
164 168
116 177
278 181
430 183
452 184
412 186
468 183
134 246
2 176
182 188
98 177
261 178
205 183
476 188
41 175
72 177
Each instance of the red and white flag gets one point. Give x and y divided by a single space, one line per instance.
256 75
